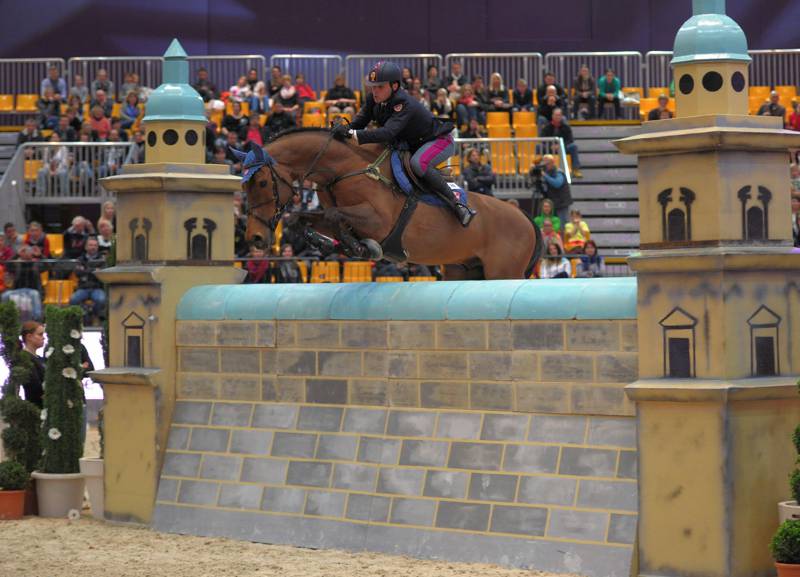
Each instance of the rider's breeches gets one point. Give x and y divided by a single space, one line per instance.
432 153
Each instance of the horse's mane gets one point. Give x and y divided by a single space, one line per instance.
296 130
363 153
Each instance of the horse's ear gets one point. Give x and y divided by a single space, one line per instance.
238 153
258 152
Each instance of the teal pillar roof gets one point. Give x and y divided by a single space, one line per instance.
175 99
709 35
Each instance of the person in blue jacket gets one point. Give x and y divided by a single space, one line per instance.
403 122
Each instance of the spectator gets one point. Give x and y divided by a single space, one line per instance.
82 170
406 78
474 130
236 121
455 80
288 271
277 122
257 269
420 96
30 132
6 252
259 101
49 109
79 89
26 271
559 129
131 84
794 177
340 99
13 240
548 80
548 212
796 220
592 264
205 88
220 157
305 93
252 80
585 89
556 187
441 105
53 177
105 238
232 142
794 118
478 176
275 81
432 81
241 91
89 286
75 238
114 156
661 112
576 233
116 125
287 96
555 264
37 240
773 107
498 95
609 90
137 150
549 234
252 131
101 82
66 133
523 96
75 105
55 83
102 100
468 107
108 212
550 102
130 112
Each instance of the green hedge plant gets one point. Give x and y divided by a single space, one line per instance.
63 392
785 545
13 476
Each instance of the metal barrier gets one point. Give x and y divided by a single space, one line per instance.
25 75
147 67
566 65
658 69
511 66
357 65
775 67
511 160
320 70
224 71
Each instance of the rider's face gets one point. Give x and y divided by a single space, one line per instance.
381 92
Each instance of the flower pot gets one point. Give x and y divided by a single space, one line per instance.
787 570
788 510
58 494
31 503
92 470
12 505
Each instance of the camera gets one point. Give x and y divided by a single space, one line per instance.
536 171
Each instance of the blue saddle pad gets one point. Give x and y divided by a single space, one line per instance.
405 185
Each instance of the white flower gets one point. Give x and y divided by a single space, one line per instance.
69 373
70 404
48 352
75 334
54 434
73 515
43 415
68 349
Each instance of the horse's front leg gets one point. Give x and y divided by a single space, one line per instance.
360 217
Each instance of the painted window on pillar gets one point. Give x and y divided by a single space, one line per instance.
764 343
676 221
140 238
133 326
678 334
755 212
199 239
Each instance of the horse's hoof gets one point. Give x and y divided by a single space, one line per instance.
373 248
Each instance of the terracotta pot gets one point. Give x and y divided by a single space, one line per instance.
31 503
788 510
787 570
92 470
58 494
12 505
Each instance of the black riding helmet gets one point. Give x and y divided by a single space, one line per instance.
382 72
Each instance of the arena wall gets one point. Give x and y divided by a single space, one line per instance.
465 421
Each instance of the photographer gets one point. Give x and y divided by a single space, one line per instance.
551 183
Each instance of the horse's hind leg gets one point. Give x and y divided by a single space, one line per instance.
344 220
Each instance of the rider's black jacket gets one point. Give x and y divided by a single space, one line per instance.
401 119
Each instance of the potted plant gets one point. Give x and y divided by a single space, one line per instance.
785 547
791 509
92 471
59 482
13 480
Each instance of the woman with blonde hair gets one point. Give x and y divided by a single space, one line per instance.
498 95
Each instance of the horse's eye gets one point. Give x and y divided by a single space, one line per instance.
262 183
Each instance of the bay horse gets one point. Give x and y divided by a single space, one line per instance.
362 205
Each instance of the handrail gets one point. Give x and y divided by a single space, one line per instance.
557 140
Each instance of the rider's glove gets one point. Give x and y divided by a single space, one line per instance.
341 131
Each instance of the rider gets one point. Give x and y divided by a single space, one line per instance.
403 120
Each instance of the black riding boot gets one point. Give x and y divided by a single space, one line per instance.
438 185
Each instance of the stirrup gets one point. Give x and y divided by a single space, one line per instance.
464 214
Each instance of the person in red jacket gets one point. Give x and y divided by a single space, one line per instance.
304 91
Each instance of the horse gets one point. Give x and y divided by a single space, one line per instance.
362 205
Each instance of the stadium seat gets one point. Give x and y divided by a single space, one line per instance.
454 164
262 119
317 120
357 271
358 98
524 118
32 168
216 118
56 242
245 107
760 91
526 151
312 107
496 119
6 102
656 91
646 105
389 279
502 153
27 102
421 279
787 94
323 272
754 103
115 110
58 292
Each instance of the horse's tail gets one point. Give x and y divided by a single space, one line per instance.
537 250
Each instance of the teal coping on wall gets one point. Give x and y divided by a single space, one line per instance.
559 299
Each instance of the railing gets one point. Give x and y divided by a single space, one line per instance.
147 67
566 65
224 71
24 76
658 69
511 160
511 66
320 70
358 65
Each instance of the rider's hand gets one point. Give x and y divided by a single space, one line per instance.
341 130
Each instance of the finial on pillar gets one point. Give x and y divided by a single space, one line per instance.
708 7
176 65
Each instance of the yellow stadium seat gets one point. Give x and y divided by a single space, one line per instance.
389 279
502 153
358 98
646 105
27 102
526 151
115 110
6 102
421 278
216 118
323 94
32 168
656 91
323 272
357 271
787 94
313 106
56 244
524 118
631 89
58 292
760 91
229 107
317 120
262 119
454 164
754 103
497 119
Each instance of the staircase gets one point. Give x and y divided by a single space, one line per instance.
607 194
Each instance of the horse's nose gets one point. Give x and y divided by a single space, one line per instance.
257 238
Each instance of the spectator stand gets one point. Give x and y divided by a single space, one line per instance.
658 70
626 65
320 70
510 65
358 65
225 70
147 67
20 80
